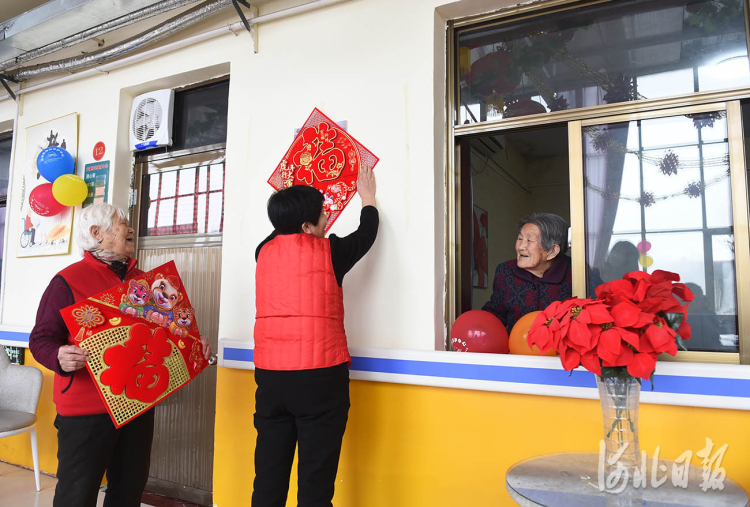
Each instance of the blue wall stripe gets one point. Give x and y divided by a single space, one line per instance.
238 354
494 373
737 388
14 336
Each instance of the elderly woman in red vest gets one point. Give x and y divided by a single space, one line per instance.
88 442
540 273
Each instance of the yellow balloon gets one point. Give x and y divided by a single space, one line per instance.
645 260
69 190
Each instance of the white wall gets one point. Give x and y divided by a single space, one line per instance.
377 64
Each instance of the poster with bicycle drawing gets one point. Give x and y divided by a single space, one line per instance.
45 235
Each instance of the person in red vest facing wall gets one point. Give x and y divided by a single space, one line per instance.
301 355
88 444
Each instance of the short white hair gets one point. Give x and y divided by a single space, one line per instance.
101 215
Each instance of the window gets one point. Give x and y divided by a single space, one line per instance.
182 186
658 196
604 53
646 185
200 117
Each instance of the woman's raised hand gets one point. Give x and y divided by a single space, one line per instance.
366 186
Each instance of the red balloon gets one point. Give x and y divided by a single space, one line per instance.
479 331
43 202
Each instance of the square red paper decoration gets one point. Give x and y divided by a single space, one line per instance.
142 339
326 157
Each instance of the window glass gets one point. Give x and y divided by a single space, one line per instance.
184 212
602 54
658 196
200 116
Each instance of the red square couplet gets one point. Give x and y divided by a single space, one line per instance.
326 157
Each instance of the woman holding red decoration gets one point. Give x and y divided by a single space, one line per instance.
88 442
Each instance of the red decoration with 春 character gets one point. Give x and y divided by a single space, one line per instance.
325 157
142 339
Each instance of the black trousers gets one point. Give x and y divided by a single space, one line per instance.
88 445
306 408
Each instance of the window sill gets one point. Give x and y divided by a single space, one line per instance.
676 383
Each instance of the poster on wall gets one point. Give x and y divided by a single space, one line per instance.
96 176
479 270
45 235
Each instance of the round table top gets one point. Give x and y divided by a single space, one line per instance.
573 480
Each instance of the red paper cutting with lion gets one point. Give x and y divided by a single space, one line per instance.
142 339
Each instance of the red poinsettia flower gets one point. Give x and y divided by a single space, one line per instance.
626 326
590 361
642 365
598 312
660 275
622 288
574 323
623 359
611 340
569 357
651 305
579 335
545 330
625 314
681 291
661 337
684 330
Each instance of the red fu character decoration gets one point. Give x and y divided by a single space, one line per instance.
326 157
142 339
142 380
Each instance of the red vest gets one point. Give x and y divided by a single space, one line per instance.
299 321
85 278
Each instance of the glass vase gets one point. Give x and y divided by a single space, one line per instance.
620 399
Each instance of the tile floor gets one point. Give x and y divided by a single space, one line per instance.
17 489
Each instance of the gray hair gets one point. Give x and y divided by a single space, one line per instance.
101 215
554 229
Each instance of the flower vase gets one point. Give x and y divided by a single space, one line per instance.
620 399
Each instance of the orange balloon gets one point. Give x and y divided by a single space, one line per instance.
518 343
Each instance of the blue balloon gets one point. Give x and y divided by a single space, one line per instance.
53 162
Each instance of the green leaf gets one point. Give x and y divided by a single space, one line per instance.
674 320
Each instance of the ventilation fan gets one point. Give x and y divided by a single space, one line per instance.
151 120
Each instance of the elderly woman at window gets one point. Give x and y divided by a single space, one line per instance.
540 273
87 440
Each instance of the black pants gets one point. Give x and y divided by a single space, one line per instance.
88 445
308 408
